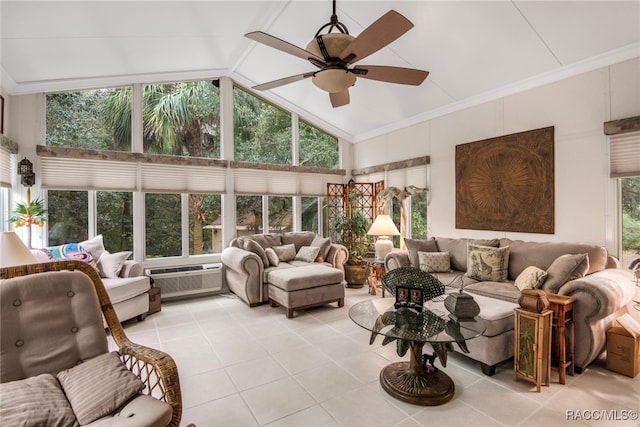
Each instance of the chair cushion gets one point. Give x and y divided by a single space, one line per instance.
142 410
305 277
35 401
98 386
124 288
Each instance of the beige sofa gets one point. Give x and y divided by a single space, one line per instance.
124 279
586 272
249 273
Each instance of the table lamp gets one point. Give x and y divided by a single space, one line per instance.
384 228
13 252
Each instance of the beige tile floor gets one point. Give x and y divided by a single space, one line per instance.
242 366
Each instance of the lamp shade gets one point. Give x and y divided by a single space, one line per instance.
13 251
383 226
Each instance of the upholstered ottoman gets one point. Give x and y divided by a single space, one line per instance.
305 286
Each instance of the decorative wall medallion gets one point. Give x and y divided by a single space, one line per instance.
507 183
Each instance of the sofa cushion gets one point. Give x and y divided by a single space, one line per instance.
434 262
457 248
255 247
307 253
531 278
110 265
98 386
298 238
305 277
325 246
145 410
416 245
487 263
124 288
504 291
35 401
273 257
565 268
285 253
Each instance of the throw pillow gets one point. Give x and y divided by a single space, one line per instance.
70 252
487 263
40 255
307 254
531 278
273 258
415 245
285 253
253 246
434 262
35 401
110 265
325 246
94 246
98 386
563 269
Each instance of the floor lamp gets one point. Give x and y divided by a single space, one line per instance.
384 228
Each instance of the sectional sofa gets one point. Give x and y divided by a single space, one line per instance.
494 271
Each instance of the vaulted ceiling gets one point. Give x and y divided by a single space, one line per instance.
474 50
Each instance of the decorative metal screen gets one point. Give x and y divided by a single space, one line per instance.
352 198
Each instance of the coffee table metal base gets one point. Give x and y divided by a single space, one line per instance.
415 382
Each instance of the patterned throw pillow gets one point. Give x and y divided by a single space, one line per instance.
435 262
307 253
70 252
487 263
531 278
273 258
285 253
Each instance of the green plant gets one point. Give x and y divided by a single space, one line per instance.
352 233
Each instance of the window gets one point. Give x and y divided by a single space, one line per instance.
280 214
182 119
248 215
115 220
4 208
98 119
630 220
317 148
205 225
262 132
310 214
163 225
419 216
67 216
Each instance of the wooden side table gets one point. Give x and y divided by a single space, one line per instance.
532 359
376 271
563 342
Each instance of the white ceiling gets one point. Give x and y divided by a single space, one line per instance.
474 50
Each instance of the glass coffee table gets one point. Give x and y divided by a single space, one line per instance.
417 381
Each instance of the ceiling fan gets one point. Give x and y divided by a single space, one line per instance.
334 53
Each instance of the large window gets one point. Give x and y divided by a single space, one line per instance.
98 119
205 231
162 225
419 216
280 214
630 220
310 214
115 220
68 216
317 148
248 215
262 132
182 119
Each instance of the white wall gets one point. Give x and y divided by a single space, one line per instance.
585 196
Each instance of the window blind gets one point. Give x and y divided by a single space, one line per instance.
6 166
251 181
87 174
182 179
624 154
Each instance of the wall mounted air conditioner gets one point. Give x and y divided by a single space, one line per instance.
187 280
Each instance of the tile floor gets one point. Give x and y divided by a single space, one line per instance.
254 367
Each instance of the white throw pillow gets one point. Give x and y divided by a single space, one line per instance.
110 265
435 262
94 246
531 278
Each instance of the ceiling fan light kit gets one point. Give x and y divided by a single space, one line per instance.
334 53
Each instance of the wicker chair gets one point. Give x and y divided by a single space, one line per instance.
157 370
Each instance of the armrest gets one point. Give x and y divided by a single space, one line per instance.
337 256
395 260
132 269
244 273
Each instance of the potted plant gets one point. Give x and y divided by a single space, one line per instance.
29 214
351 232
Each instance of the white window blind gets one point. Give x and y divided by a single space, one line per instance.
624 154
400 178
6 167
182 179
252 181
86 174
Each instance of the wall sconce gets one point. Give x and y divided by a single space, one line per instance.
25 170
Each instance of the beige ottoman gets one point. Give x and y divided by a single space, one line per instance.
305 286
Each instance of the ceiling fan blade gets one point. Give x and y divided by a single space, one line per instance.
338 99
284 81
282 45
400 75
386 29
